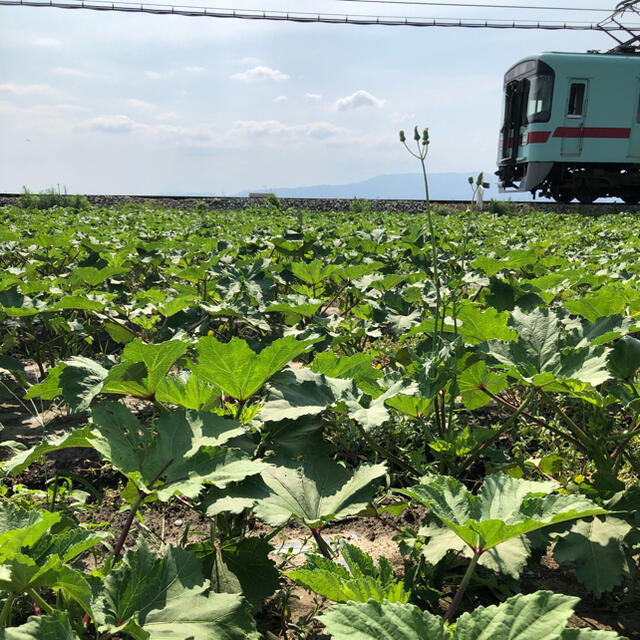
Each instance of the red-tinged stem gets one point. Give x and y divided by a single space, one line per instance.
322 543
127 525
463 586
528 416
37 598
508 424
384 452
623 443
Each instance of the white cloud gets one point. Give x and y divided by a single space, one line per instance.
194 69
313 97
158 75
257 74
168 115
280 99
275 128
172 135
27 89
358 99
109 124
249 60
74 73
141 105
46 42
402 118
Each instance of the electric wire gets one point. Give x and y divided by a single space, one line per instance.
473 5
302 17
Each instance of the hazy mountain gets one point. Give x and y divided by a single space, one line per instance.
442 186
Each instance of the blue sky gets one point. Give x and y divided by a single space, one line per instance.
128 103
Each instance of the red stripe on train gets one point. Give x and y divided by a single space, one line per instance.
538 136
592 132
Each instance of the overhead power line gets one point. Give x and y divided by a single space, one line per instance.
248 14
477 6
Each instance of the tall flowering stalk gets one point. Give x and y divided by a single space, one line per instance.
422 146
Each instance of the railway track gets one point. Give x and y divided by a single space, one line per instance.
228 203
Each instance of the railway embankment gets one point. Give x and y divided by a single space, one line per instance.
230 203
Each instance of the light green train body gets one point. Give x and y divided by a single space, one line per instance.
575 122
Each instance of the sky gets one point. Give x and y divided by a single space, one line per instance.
119 103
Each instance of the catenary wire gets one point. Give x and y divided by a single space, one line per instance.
476 6
247 14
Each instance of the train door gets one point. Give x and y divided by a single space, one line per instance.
634 138
574 119
514 118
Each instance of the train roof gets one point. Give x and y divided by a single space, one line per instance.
564 60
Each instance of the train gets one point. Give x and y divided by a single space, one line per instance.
571 127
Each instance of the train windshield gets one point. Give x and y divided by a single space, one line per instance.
539 102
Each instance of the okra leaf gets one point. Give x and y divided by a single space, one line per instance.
155 597
595 546
503 509
318 492
181 453
52 627
238 370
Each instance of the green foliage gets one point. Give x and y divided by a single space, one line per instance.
527 617
151 597
503 509
318 492
359 581
240 372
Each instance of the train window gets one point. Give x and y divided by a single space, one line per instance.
576 99
539 101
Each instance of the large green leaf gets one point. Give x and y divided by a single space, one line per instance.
312 272
187 390
540 356
508 558
181 453
76 438
156 598
53 627
301 392
624 359
361 582
504 507
479 325
389 621
236 564
474 379
20 573
81 381
595 546
21 528
318 492
142 367
537 616
240 372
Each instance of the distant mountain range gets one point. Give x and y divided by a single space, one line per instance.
399 186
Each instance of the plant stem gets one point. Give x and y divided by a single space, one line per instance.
37 598
623 443
321 542
5 614
127 525
382 451
463 586
508 424
542 423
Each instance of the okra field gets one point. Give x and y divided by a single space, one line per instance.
273 423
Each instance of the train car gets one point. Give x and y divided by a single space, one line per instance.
571 127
